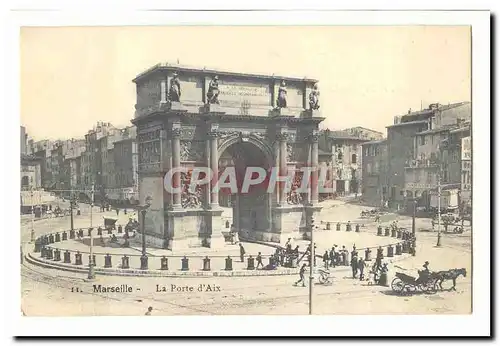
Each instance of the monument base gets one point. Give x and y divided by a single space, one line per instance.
194 228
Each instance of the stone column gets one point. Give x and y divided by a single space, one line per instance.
283 166
277 164
176 162
208 149
214 166
314 166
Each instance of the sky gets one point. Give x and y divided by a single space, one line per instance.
73 77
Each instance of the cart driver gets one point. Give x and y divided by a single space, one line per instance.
424 273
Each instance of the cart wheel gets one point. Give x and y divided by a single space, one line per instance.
397 285
429 287
322 279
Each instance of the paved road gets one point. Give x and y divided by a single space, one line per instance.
55 293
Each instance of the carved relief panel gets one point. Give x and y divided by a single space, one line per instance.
149 148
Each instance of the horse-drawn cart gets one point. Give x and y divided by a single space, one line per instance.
109 222
404 283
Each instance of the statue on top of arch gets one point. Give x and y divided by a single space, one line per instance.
174 93
281 100
314 97
213 91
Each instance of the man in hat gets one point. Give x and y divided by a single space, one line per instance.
423 274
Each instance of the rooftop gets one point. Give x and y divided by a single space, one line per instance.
416 122
438 130
381 141
185 68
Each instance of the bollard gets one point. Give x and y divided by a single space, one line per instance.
393 233
57 238
357 228
206 264
164 263
379 230
185 264
67 257
144 262
51 239
107 261
338 226
93 260
38 245
57 255
99 231
271 260
64 236
368 255
399 235
328 226
387 231
250 263
390 251
120 229
398 249
227 224
49 254
125 262
78 259
229 263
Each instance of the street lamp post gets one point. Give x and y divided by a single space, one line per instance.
439 208
143 210
91 262
440 160
71 206
311 268
32 216
413 227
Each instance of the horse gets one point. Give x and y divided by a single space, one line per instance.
451 274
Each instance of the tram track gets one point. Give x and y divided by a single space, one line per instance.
217 307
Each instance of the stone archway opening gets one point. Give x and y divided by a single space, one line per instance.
250 210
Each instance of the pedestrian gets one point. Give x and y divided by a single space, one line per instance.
354 266
361 267
242 253
117 211
380 257
302 276
331 256
259 261
325 259
148 313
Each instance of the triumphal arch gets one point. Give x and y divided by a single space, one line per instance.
191 117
